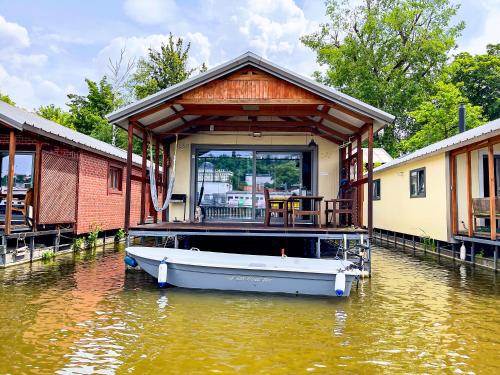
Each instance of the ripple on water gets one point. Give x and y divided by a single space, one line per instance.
85 314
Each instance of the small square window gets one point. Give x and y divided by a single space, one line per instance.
417 183
376 189
114 179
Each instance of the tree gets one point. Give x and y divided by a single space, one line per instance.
437 117
56 114
162 68
6 98
387 53
478 78
88 111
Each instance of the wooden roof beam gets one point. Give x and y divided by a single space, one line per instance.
328 130
166 120
204 101
150 111
241 112
352 113
323 113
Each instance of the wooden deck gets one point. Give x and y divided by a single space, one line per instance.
245 229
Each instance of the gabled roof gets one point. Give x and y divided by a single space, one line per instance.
21 119
249 59
487 130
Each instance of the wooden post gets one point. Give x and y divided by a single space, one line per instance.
491 176
10 182
36 184
128 188
157 174
165 179
453 181
469 196
370 179
144 175
359 177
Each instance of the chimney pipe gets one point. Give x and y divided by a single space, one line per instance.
461 118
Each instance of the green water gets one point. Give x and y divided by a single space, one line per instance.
85 314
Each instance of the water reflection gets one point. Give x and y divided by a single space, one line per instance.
85 314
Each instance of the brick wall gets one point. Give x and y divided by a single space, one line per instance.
26 142
98 206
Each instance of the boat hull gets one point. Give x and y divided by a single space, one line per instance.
246 280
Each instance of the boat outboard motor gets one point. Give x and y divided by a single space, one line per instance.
340 284
162 273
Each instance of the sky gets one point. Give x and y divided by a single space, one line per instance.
48 47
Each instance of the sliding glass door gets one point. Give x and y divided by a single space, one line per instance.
230 182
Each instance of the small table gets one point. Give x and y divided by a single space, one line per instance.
314 211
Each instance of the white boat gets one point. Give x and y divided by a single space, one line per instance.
250 273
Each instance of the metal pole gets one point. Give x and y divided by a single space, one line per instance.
495 258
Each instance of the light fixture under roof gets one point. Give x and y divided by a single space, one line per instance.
256 134
250 107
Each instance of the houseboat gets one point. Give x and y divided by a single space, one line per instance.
273 152
58 183
450 192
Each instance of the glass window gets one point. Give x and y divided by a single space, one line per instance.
376 189
23 171
230 183
417 183
115 179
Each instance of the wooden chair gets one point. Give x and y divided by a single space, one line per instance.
28 201
481 208
340 206
281 208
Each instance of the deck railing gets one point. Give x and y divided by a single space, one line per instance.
230 213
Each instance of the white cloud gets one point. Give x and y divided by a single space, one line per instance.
489 33
13 35
21 61
150 12
136 47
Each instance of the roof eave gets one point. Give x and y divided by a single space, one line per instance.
252 59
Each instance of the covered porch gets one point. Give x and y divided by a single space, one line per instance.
475 191
244 128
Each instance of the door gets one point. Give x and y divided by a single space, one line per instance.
230 182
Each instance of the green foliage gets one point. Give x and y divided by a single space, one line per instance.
88 114
88 111
79 243
48 254
93 234
56 114
437 117
478 78
6 98
162 68
387 53
428 243
120 234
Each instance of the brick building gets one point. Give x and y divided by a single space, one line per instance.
65 180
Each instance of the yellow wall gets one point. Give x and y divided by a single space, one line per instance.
396 211
328 155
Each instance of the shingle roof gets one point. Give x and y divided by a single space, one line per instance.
22 119
458 140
